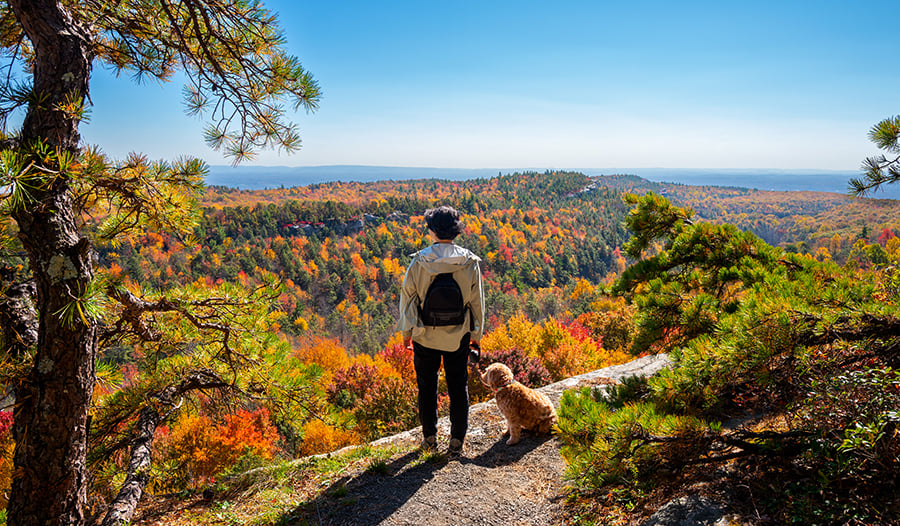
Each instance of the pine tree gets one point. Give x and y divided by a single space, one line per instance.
880 170
238 77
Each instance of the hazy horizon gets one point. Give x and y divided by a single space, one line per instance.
260 177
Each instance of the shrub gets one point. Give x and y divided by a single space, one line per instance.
390 408
326 352
569 358
400 359
246 432
319 437
188 445
613 327
352 383
203 449
517 332
527 370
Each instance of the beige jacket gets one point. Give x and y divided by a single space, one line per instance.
426 264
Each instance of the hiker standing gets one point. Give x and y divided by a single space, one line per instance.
441 315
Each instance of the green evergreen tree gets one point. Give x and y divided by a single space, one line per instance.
239 76
880 170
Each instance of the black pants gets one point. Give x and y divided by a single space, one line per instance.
428 365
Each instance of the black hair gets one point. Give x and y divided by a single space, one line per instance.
444 222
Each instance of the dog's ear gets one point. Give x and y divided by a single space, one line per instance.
486 377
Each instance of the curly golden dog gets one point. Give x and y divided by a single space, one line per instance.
523 408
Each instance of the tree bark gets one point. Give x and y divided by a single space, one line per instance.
126 501
18 318
51 415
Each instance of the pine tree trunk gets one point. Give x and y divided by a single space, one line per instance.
51 416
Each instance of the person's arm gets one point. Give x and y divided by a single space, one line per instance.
409 305
476 304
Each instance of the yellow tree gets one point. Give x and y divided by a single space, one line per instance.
54 308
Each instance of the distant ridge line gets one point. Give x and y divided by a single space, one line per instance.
261 177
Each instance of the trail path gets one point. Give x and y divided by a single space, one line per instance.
490 484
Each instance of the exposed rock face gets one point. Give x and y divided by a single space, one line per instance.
646 366
693 510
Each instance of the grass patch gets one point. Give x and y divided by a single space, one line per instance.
340 491
379 467
274 494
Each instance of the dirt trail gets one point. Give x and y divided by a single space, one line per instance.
490 484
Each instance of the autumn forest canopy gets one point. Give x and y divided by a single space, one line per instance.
325 263
307 279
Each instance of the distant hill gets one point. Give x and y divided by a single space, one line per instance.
259 177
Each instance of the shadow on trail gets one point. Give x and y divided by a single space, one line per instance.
376 494
500 454
371 496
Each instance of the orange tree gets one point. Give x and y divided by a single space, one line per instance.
239 76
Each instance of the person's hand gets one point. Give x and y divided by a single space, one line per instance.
474 351
407 342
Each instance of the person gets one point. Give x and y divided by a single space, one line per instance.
433 344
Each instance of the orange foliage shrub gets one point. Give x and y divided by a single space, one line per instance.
327 352
566 349
205 449
567 359
517 333
399 359
319 437
246 432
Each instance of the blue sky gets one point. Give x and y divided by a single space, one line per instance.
565 84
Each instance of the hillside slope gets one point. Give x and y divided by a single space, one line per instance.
491 484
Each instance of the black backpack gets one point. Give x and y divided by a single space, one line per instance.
443 304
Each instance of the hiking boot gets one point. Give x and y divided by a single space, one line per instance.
455 448
429 443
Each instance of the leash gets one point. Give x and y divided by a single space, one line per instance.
506 385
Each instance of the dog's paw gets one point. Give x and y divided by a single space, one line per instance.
512 441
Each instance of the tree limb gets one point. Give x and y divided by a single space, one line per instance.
745 441
125 503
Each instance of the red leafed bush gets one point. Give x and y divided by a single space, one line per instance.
351 384
247 432
6 454
6 422
527 370
400 358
